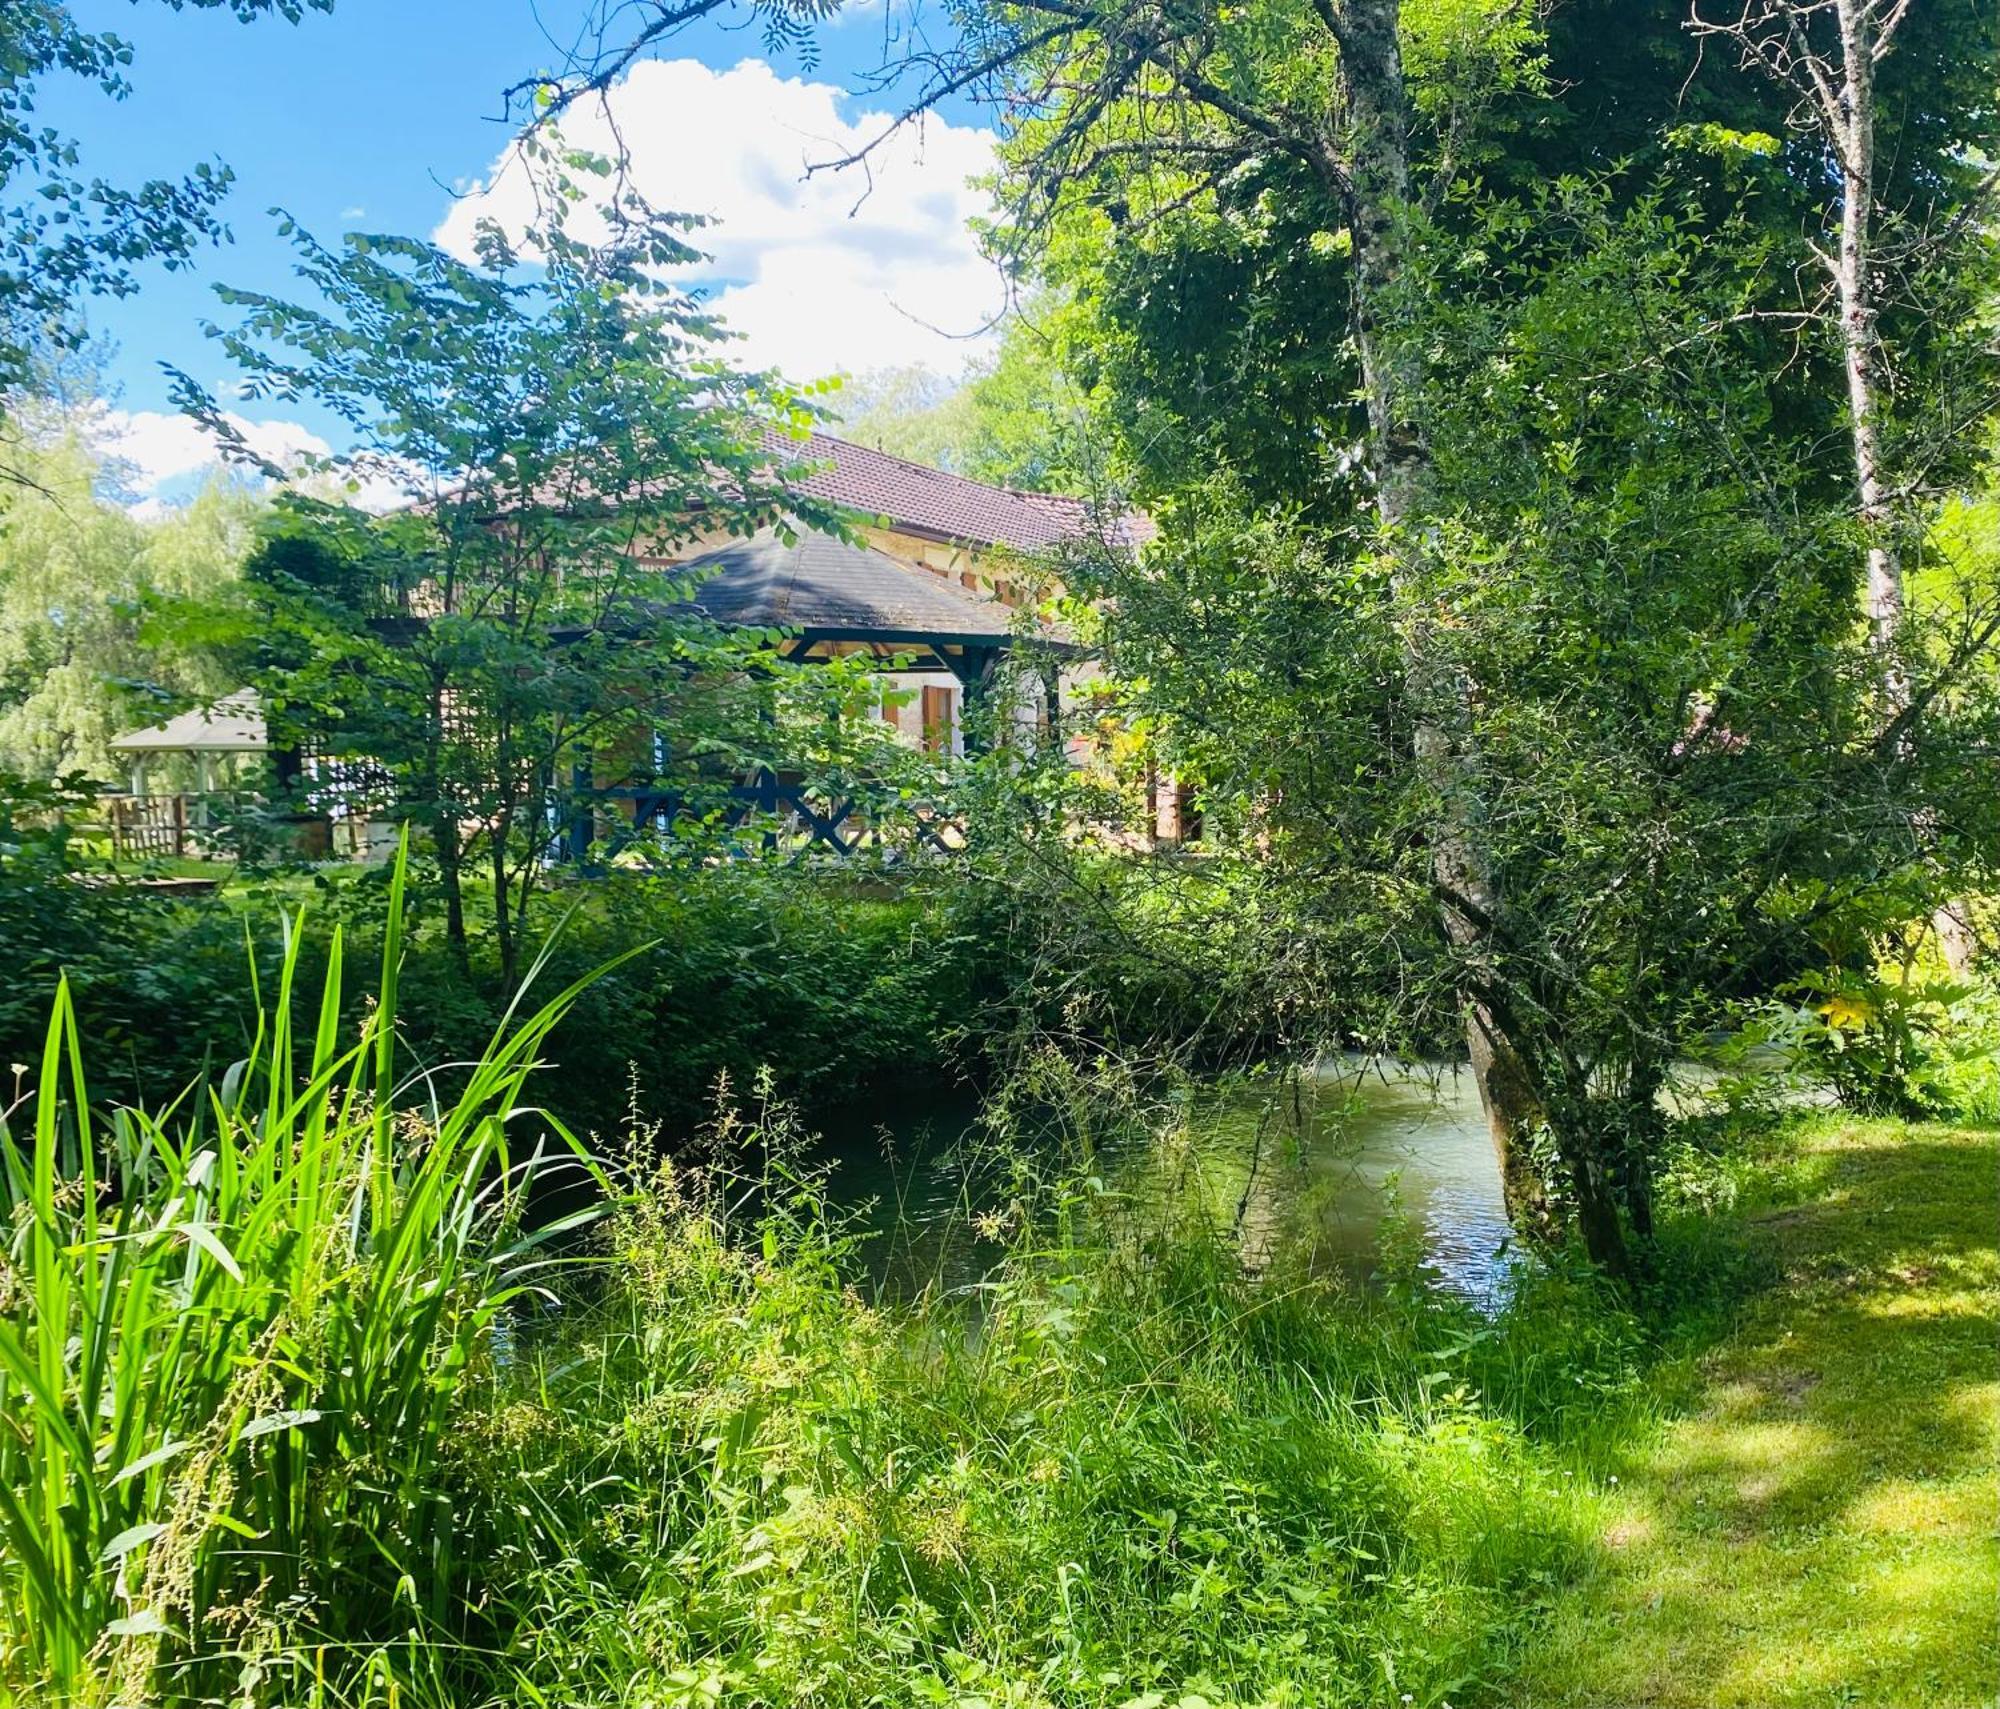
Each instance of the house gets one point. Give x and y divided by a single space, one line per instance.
939 580
934 582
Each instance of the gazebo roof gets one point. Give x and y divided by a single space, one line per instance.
829 589
232 725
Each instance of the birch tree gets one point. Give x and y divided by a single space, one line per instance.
1198 94
1825 53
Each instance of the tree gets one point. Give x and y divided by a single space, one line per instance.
81 655
555 420
1182 99
1274 216
1826 55
1690 796
1171 104
1014 419
63 234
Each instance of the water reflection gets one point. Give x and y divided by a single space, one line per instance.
1329 1153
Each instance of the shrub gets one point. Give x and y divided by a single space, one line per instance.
742 967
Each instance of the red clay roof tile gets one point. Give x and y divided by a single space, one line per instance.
934 502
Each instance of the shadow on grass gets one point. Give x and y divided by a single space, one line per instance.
1816 1527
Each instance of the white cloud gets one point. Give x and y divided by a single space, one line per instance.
842 270
162 448
166 456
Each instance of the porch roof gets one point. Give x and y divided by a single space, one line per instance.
828 589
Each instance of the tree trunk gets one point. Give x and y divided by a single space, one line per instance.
1957 941
1596 1207
1513 1113
1645 1130
1853 127
1370 164
444 836
1851 124
503 915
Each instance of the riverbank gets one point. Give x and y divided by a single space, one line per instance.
1815 1525
689 1462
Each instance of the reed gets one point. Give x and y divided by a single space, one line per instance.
232 1331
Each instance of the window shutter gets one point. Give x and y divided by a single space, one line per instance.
937 720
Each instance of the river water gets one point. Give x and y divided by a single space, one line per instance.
1330 1154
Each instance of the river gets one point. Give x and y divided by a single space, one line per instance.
1330 1155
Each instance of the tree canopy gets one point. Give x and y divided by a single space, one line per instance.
66 235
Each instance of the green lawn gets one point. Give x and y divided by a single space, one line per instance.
1817 1525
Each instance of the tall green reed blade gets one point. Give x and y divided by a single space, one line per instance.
264 1293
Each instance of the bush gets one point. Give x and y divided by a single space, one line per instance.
159 985
741 968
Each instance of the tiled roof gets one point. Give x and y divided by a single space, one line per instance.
934 502
820 583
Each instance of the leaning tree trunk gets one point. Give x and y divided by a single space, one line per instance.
1370 164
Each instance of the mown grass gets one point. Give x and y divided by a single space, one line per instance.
1818 1527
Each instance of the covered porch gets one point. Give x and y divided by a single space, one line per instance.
939 647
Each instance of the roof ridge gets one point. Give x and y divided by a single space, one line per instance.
938 502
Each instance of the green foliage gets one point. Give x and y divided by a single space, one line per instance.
82 656
325 1426
217 1313
1142 1478
831 987
65 235
559 420
1687 789
748 970
1897 1045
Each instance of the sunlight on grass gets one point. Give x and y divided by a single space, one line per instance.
1818 1528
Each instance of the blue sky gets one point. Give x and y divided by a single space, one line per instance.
365 118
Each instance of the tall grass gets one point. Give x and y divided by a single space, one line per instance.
1121 1473
232 1336
293 1410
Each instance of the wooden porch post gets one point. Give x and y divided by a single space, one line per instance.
974 667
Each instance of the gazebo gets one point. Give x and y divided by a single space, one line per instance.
215 735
